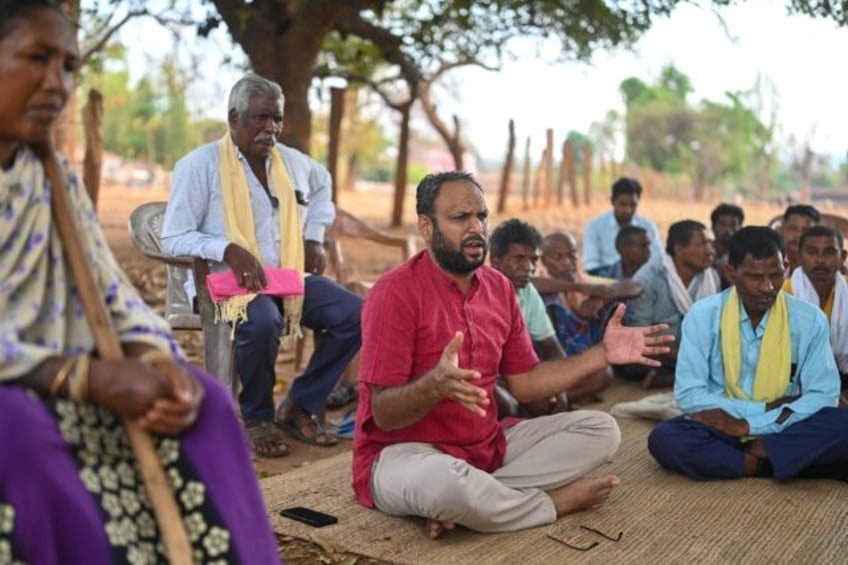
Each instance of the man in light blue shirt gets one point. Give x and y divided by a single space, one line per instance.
195 225
599 252
725 433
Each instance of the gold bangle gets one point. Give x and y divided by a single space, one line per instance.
61 376
78 389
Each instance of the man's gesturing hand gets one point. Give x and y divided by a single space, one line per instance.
449 381
624 345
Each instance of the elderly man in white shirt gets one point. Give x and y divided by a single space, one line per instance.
289 209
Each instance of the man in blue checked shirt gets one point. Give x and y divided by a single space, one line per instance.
756 379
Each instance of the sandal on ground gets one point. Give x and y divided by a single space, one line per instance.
302 424
344 427
266 441
342 394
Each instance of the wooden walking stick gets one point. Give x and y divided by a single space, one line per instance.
108 346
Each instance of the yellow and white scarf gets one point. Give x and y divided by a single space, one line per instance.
836 309
775 361
706 283
240 227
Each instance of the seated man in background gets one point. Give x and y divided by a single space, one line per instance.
515 252
247 202
599 254
634 250
578 319
671 283
726 220
797 218
820 282
756 380
436 333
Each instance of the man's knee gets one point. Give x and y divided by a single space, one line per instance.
328 305
263 318
666 442
601 425
609 434
347 309
434 483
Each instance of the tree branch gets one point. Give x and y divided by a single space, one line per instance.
106 35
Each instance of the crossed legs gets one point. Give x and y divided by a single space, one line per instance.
540 480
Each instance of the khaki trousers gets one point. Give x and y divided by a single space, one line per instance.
416 479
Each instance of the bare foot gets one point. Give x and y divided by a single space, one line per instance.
583 494
436 527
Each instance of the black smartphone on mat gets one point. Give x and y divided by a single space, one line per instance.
309 516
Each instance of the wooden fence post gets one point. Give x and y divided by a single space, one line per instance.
506 173
525 177
587 173
549 165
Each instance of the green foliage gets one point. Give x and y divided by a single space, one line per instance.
149 120
710 141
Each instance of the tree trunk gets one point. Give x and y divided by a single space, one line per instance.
506 175
401 168
282 39
452 139
92 123
337 100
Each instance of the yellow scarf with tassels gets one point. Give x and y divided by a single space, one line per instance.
775 361
241 230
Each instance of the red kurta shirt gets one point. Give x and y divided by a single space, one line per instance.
409 317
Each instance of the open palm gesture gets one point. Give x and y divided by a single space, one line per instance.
623 345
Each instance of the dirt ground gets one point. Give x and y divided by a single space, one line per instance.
372 204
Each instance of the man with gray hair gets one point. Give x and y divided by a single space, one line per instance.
246 203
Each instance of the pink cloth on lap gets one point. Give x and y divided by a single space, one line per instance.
281 282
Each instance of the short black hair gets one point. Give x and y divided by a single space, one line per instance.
626 236
725 209
820 230
11 9
802 210
513 231
428 189
759 242
680 233
626 185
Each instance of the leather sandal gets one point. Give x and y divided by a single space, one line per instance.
301 421
266 441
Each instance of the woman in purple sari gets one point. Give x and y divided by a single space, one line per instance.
69 488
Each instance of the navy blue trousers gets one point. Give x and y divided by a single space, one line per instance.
816 447
328 309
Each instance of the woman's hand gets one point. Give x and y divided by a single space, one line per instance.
160 395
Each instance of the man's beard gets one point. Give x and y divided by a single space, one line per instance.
453 260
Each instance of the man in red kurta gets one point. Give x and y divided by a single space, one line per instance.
437 331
